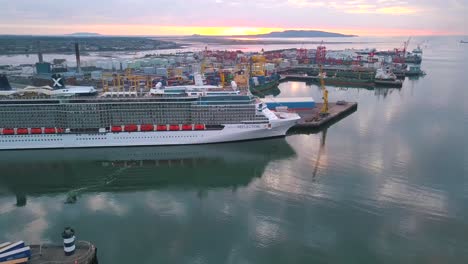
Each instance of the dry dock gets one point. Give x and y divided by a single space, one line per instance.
311 118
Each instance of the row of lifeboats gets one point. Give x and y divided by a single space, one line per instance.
115 129
34 130
149 127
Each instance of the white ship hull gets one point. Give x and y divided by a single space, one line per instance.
230 133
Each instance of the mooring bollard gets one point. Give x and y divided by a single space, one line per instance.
68 241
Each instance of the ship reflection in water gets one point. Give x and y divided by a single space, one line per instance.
77 171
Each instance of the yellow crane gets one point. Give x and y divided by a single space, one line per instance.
324 110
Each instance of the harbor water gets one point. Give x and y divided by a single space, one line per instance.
388 184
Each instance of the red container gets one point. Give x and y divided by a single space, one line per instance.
147 128
161 128
60 130
174 127
187 127
22 131
36 130
8 131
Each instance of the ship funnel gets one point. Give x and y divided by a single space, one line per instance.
198 79
78 59
58 82
4 83
39 52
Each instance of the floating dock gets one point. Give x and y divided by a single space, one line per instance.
311 118
85 253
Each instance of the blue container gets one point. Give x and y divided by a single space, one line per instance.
261 79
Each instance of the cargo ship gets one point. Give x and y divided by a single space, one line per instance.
387 78
38 120
261 85
340 81
336 80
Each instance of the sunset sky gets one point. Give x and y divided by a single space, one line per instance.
235 17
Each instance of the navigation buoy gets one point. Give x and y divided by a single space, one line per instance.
68 241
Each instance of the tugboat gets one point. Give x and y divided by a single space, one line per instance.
387 78
418 50
414 58
414 70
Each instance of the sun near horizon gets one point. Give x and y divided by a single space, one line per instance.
203 30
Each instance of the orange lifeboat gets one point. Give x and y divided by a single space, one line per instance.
8 131
147 128
174 127
199 127
50 130
187 127
161 128
131 128
36 130
116 129
22 131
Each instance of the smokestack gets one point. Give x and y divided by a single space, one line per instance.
4 84
39 52
78 62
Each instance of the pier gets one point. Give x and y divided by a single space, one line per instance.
85 253
311 118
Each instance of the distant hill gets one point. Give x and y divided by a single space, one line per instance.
84 34
302 34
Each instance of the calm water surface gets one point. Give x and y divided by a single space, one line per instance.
388 184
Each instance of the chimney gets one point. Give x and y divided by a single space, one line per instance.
39 52
78 62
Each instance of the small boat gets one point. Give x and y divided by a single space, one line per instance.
50 130
116 129
462 41
174 127
22 131
14 252
8 131
187 127
131 128
199 127
414 70
36 130
147 128
161 128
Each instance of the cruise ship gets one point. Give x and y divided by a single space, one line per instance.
37 120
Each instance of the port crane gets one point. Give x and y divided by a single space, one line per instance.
324 110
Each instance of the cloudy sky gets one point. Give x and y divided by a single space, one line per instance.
231 17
